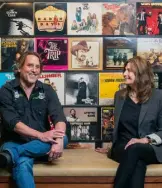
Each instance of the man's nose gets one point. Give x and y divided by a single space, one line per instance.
34 69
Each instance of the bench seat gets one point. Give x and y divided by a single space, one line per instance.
81 167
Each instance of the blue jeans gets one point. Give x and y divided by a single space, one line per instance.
23 156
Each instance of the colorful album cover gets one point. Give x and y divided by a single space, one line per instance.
5 77
81 88
109 83
12 49
151 50
149 18
83 19
56 80
82 123
117 50
16 19
85 54
53 52
118 19
81 145
107 123
50 18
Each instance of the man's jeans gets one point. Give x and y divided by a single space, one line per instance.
23 156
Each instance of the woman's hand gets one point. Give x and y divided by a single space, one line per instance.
137 140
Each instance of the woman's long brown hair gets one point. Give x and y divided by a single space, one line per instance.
144 79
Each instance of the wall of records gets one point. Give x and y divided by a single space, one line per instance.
84 46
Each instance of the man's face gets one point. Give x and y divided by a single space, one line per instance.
81 55
30 71
73 113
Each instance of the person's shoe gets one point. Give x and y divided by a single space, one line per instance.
5 159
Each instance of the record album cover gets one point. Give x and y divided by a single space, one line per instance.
117 50
12 49
107 123
151 50
82 122
83 19
53 52
118 19
50 18
85 54
109 83
56 80
149 18
16 19
6 77
81 88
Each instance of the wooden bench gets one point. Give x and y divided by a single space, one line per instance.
81 168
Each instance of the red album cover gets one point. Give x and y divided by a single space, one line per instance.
149 18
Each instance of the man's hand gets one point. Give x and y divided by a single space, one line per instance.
51 136
101 150
137 140
56 150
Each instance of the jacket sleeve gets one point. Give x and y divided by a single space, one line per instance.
156 137
55 110
9 115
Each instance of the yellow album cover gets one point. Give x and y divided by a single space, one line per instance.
85 53
109 83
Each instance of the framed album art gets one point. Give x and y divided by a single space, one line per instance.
107 123
109 83
82 122
83 19
117 51
151 50
85 53
81 88
118 18
16 19
12 49
56 80
53 52
50 18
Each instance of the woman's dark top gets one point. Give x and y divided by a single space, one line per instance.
128 126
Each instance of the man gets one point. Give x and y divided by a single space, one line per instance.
82 91
25 106
72 117
80 52
142 21
160 22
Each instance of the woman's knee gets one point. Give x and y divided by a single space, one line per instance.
135 147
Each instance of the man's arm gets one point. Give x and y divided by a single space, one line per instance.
48 136
13 122
58 119
55 110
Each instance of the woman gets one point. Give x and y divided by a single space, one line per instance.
137 136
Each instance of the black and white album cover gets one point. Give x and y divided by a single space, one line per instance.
16 19
81 88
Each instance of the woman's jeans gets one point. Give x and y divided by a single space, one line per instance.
23 156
